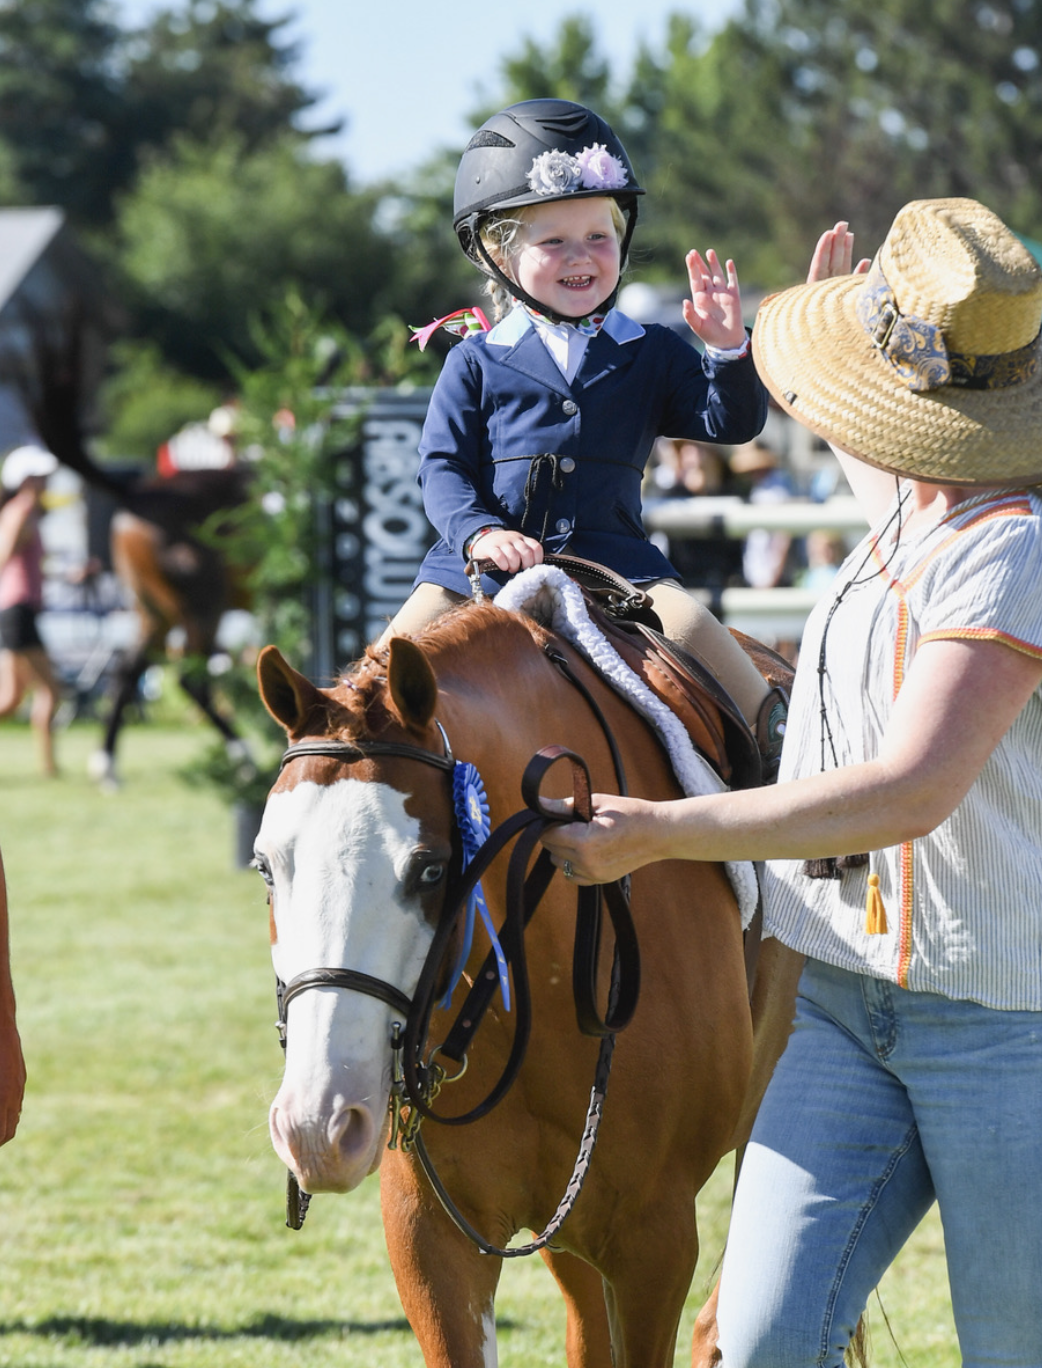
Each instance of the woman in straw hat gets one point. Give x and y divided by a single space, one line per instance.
911 779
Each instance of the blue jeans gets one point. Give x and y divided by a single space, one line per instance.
884 1101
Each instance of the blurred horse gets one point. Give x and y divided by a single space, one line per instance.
360 840
176 578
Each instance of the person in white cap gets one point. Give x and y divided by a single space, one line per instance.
24 664
904 836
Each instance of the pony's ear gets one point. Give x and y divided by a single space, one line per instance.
288 696
411 681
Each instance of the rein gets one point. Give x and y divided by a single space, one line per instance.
416 1084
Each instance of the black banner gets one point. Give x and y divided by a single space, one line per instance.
379 532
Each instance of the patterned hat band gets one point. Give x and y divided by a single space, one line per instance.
918 352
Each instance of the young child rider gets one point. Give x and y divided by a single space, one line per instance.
539 427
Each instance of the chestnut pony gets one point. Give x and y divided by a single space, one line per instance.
356 847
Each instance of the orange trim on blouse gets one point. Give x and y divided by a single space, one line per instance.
1016 506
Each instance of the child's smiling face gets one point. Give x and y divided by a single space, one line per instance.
570 257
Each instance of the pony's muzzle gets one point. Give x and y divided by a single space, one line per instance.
327 1153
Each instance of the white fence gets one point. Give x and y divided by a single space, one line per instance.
770 615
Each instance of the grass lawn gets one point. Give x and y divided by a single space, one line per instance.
141 1204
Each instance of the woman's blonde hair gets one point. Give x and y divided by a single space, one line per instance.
502 237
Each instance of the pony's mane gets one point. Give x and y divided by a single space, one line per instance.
452 633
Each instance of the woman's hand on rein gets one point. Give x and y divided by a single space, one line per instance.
623 834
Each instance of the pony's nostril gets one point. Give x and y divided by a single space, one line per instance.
352 1131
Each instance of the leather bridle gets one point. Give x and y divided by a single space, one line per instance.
524 891
353 979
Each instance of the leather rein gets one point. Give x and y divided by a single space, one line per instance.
415 1083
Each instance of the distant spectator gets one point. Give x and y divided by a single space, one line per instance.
24 665
683 470
826 552
766 557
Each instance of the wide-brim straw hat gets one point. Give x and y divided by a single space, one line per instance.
929 365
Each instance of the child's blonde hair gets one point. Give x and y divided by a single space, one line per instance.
501 235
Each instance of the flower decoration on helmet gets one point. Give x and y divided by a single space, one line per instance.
594 168
555 173
601 170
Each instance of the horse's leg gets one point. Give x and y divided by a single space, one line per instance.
446 1286
588 1342
102 764
646 1290
195 682
705 1352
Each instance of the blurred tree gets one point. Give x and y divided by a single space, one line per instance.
431 276
214 232
61 106
799 112
213 68
82 100
719 156
570 68
146 400
289 431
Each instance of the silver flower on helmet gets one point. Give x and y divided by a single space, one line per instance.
555 173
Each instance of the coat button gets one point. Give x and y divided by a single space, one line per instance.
563 525
570 407
567 465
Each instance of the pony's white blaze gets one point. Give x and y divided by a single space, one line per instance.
338 854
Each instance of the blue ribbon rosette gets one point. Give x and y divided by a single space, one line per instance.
472 818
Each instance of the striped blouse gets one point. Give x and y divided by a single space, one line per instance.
964 904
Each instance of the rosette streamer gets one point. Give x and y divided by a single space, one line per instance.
472 818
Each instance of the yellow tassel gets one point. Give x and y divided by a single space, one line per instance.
875 912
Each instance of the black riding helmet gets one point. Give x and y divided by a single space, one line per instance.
536 152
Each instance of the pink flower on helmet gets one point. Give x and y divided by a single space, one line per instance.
554 173
600 170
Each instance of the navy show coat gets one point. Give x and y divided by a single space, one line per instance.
509 442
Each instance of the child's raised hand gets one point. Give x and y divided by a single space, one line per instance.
834 255
714 311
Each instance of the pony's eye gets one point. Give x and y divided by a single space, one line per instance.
262 867
432 874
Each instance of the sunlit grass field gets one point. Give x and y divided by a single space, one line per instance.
141 1206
